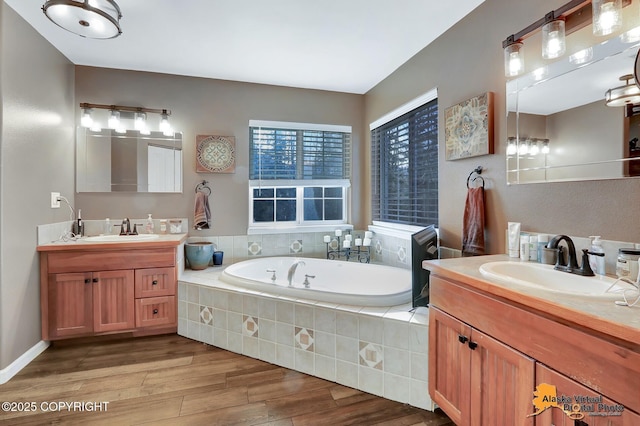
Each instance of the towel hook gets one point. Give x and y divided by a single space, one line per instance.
201 186
478 171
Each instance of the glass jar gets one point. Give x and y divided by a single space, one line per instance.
627 263
175 226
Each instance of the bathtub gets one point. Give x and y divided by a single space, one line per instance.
340 282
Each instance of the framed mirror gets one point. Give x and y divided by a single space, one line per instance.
561 129
107 161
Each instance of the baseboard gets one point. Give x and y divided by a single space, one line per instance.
14 368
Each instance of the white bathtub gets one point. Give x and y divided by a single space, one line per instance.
340 282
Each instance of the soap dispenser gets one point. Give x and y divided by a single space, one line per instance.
596 262
149 227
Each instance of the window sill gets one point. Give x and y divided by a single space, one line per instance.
297 229
395 230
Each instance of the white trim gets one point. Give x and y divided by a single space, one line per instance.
330 228
403 109
395 229
23 360
268 183
300 126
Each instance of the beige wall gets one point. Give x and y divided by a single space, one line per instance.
36 154
210 107
464 62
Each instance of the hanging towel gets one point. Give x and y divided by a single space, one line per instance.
202 214
473 223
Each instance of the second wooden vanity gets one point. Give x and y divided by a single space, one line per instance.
491 346
101 288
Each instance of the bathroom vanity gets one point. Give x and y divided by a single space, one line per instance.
492 345
89 288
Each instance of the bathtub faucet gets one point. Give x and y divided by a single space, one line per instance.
292 270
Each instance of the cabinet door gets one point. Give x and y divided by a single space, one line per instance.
449 365
113 300
593 414
502 383
155 282
70 305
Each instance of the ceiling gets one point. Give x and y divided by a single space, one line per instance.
338 45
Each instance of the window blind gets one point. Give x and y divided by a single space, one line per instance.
405 168
298 154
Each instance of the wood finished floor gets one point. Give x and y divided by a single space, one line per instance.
171 380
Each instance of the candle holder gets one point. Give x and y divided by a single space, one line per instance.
361 252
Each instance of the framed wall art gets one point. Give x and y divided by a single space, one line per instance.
469 128
215 154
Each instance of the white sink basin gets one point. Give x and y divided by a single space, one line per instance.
120 238
544 277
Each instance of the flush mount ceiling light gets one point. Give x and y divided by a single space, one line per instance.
99 19
629 93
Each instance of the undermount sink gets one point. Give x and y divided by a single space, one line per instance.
544 277
120 238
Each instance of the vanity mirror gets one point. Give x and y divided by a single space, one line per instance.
559 126
108 161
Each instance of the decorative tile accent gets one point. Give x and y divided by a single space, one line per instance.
378 247
370 355
402 255
206 316
304 339
295 247
254 248
249 326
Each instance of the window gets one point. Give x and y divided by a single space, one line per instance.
299 174
404 166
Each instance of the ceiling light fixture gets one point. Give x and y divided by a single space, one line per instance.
629 93
605 15
99 19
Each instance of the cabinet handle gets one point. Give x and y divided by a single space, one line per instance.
154 282
462 339
473 345
95 280
87 280
155 312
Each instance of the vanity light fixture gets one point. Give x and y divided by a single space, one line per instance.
523 149
545 146
86 120
119 114
533 148
512 149
99 19
605 15
629 93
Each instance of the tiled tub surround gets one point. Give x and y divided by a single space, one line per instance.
379 350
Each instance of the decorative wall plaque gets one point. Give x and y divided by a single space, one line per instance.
215 154
469 128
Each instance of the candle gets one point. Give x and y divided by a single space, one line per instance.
347 237
338 232
367 242
368 234
346 244
358 241
327 239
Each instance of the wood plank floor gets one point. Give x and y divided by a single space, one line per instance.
171 380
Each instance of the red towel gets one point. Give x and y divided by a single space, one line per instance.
473 223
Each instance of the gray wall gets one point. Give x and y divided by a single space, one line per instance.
36 153
210 107
464 62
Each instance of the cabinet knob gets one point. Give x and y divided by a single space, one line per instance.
462 339
87 280
473 345
154 282
155 312
95 280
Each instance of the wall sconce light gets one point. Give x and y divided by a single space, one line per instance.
87 18
137 114
605 15
629 93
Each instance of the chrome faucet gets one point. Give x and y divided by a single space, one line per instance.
572 262
292 270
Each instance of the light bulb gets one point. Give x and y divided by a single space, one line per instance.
606 16
553 39
114 120
513 60
141 121
522 149
86 120
545 146
533 149
511 147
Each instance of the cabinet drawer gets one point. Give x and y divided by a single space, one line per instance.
154 311
155 282
108 260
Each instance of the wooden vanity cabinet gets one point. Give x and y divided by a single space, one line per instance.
100 291
465 361
487 355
